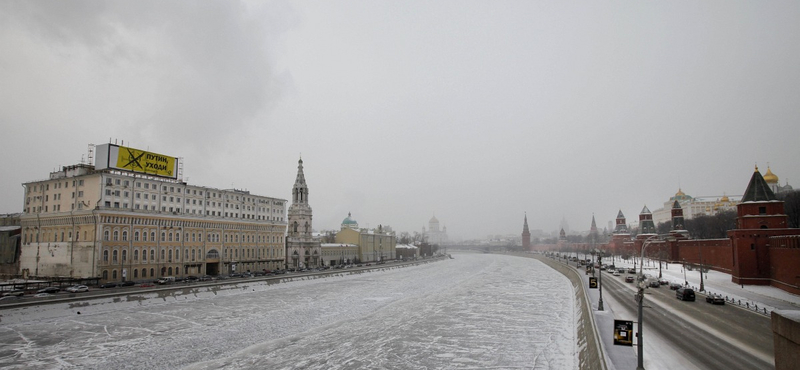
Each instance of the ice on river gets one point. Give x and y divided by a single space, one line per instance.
476 311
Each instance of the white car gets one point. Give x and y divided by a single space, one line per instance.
78 289
616 273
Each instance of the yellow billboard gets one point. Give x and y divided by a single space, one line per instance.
145 162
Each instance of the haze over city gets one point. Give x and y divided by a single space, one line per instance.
476 112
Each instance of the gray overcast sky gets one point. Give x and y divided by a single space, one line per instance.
477 111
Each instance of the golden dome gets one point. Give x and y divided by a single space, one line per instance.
770 177
725 199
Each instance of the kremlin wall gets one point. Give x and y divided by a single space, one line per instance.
761 250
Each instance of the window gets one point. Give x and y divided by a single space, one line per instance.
124 255
105 256
105 235
152 257
105 274
116 235
135 273
114 256
164 237
125 236
114 274
136 255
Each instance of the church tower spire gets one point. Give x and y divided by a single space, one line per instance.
302 249
526 234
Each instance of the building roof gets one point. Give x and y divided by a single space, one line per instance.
758 190
349 221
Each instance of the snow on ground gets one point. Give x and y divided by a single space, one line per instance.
476 311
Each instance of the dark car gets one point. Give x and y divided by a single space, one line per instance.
108 285
192 278
685 294
715 299
50 289
629 279
675 286
654 284
128 283
631 270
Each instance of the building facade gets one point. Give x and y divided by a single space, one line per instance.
374 245
118 225
303 249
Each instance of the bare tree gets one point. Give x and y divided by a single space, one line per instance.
791 205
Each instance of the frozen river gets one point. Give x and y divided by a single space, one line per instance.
477 311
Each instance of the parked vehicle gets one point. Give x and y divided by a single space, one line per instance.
166 280
128 283
629 279
616 273
654 284
685 294
42 295
78 289
631 270
675 286
50 289
14 293
108 285
663 281
715 299
10 298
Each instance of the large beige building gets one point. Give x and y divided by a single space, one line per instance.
373 244
119 225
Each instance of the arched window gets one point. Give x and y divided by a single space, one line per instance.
136 236
114 256
124 255
163 254
153 235
105 255
116 235
163 236
152 257
193 251
125 235
135 273
152 272
105 235
186 254
144 236
177 236
169 271
144 273
105 274
170 237
170 257
114 275
136 255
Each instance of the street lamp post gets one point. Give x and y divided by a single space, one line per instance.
701 269
600 263
640 298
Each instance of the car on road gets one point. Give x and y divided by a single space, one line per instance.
715 299
42 295
654 284
685 294
127 283
675 286
14 293
631 270
50 289
77 289
10 298
663 281
616 273
108 285
629 279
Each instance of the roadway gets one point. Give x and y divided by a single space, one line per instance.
702 335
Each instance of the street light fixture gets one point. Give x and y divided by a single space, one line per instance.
640 298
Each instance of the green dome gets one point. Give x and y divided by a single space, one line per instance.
349 221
